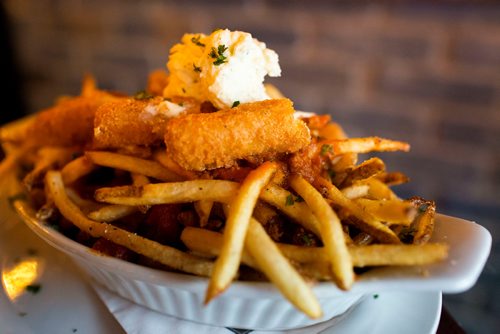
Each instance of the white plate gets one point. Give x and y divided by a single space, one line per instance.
66 302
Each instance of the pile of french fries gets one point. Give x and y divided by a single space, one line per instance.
350 208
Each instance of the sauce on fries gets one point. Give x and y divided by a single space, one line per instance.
179 183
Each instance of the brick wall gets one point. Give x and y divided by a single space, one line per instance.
429 74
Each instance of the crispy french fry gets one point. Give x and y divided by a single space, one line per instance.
76 169
424 223
355 191
173 192
164 254
166 161
393 211
203 209
287 203
276 267
393 178
47 157
360 145
132 164
331 232
364 170
378 189
114 212
111 213
273 91
210 242
240 212
364 221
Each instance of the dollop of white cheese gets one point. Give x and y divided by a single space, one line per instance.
165 109
223 68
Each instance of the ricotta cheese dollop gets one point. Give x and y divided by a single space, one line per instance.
225 68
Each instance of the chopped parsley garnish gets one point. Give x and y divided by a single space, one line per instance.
331 174
142 95
290 200
422 208
326 148
307 239
22 314
196 40
235 104
375 296
74 330
33 288
196 68
218 55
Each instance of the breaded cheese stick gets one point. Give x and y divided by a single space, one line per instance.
70 122
208 141
136 122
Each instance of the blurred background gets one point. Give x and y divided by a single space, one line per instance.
427 73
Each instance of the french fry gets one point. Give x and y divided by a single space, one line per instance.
203 209
332 234
240 212
364 220
364 170
392 212
110 213
424 223
132 164
167 255
286 202
360 145
210 242
378 189
276 267
166 161
393 178
47 157
76 169
356 191
173 192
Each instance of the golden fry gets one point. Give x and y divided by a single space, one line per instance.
240 212
132 164
76 169
331 232
167 255
173 192
276 267
364 221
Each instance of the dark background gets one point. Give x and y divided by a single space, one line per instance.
425 73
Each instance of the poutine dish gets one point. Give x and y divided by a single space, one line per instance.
197 175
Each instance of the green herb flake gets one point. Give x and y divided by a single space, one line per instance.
289 200
22 314
375 296
74 330
196 68
307 239
326 148
331 174
299 199
33 288
142 95
196 40
235 104
422 208
218 55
